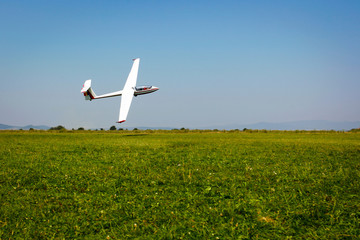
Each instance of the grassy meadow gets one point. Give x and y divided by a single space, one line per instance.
179 185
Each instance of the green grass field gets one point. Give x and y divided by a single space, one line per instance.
179 185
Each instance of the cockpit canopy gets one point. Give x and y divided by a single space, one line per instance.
143 88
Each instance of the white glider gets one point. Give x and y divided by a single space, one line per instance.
127 93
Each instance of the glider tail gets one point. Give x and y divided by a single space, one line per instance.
87 91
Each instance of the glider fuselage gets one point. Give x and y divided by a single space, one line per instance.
138 91
145 90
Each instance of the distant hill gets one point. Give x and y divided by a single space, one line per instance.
3 126
296 125
9 127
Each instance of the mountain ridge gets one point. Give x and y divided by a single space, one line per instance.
291 125
296 125
27 127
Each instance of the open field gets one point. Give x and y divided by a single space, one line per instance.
178 184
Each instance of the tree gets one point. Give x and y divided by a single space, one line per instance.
112 128
81 129
58 128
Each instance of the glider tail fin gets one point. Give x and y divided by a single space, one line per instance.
87 90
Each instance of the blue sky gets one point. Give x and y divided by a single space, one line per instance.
216 62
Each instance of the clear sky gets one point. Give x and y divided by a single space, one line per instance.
215 62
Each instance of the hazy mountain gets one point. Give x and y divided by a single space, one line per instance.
296 125
41 127
3 126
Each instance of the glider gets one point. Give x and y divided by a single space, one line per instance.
127 93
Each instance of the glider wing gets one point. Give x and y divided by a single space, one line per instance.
128 91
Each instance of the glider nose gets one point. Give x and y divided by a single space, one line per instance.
155 88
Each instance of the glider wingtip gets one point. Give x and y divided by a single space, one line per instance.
121 121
